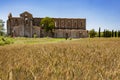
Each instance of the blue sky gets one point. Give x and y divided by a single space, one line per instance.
98 13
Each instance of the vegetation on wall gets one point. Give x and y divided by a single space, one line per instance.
48 24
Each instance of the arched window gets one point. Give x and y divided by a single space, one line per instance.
16 22
26 20
62 24
25 15
69 25
75 25
81 24
55 24
33 22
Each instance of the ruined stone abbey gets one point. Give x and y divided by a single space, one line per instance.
26 26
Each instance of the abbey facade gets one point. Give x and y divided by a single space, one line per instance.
27 26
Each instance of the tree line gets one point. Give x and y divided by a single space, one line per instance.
105 33
1 27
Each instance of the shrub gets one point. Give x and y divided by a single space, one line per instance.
108 33
6 40
1 42
92 33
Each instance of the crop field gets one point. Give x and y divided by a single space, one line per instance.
60 59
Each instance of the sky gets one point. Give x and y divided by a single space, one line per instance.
98 13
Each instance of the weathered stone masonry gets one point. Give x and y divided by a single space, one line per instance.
27 26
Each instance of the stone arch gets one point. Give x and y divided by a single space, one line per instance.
62 24
75 25
26 20
69 24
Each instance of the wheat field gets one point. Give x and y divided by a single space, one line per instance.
80 59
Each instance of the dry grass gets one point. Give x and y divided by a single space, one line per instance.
83 59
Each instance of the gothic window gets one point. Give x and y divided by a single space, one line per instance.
69 24
25 14
26 20
75 25
33 23
62 24
38 24
55 24
81 24
16 22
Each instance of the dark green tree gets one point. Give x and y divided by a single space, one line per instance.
48 24
108 33
112 33
92 33
115 33
104 33
99 32
119 33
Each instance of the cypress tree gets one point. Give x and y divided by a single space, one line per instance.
112 33
115 34
99 31
104 33
108 33
119 33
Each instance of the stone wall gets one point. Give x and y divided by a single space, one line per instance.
70 23
71 33
36 31
27 26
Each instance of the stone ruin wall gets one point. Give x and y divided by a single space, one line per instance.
71 33
74 27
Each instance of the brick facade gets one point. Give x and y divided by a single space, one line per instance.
27 26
